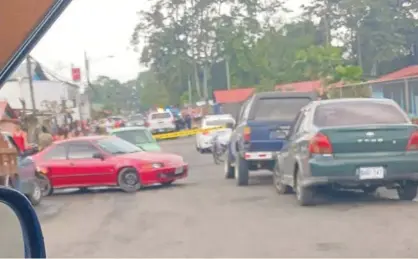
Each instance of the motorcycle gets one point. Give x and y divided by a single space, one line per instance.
219 148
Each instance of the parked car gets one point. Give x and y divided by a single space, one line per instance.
204 140
261 131
160 122
106 161
139 136
349 144
136 120
116 118
25 180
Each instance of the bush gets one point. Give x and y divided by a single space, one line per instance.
358 91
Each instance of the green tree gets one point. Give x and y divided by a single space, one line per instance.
152 92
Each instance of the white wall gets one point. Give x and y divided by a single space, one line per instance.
43 91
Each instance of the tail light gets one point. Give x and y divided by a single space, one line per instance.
320 144
413 142
247 134
146 124
206 132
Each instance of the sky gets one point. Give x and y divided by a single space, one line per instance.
102 29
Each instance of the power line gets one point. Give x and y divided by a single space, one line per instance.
53 74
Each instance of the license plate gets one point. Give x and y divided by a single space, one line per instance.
179 170
281 132
370 173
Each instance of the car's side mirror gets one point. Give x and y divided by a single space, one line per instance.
21 233
98 156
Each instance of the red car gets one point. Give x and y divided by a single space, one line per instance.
105 161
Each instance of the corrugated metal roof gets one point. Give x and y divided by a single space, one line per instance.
234 95
402 73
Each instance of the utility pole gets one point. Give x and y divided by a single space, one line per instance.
189 85
228 78
327 23
30 81
87 69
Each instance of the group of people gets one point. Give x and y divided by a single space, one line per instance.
46 137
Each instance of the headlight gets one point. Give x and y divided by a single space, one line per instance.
157 165
41 170
152 166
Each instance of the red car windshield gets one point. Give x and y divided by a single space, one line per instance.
117 146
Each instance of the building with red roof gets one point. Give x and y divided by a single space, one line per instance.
231 100
400 86
410 71
237 95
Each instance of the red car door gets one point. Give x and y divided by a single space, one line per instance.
89 171
55 162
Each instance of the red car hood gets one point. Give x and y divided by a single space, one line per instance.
165 158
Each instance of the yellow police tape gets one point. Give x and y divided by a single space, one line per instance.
184 133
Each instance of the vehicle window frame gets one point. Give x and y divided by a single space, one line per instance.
241 111
51 149
145 131
252 113
136 118
298 122
394 105
304 123
247 110
295 122
78 143
227 120
169 113
108 153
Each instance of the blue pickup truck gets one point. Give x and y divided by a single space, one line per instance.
262 126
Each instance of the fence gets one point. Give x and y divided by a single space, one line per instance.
404 91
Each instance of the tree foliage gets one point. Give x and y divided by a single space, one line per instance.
114 95
333 40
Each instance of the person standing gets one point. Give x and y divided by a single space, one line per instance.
45 139
188 121
20 138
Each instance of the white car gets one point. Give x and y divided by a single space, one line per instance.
204 139
160 122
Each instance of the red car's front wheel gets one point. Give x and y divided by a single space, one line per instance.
45 184
128 180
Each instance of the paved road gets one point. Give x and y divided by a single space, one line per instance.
208 216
